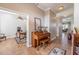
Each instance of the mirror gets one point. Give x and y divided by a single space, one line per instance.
37 24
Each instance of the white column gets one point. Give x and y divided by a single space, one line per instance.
64 40
57 29
0 25
28 32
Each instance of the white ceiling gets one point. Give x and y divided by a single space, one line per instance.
54 6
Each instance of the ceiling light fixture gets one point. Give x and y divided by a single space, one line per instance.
61 8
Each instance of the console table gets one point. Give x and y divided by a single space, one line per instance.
38 36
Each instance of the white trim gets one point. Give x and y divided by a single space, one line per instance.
12 11
13 36
53 38
8 10
29 45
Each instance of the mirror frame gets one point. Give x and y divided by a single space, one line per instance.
36 20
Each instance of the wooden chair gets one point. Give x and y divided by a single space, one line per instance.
21 37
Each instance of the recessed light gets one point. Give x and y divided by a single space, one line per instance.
61 8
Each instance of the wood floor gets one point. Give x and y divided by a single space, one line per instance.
10 47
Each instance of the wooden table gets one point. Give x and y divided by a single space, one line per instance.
38 36
76 38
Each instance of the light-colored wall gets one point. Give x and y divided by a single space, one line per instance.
46 20
76 15
8 24
50 23
0 25
53 25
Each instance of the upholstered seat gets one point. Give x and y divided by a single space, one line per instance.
57 51
2 36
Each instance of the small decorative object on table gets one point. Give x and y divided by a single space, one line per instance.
45 29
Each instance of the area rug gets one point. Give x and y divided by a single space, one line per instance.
57 51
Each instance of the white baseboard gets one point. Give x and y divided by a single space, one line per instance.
29 45
54 38
12 36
